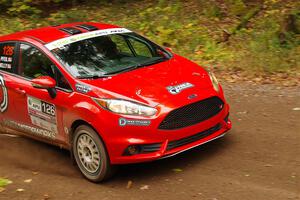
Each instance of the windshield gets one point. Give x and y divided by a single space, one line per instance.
109 54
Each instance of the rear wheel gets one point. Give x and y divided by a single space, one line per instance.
90 154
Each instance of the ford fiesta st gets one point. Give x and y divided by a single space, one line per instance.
107 94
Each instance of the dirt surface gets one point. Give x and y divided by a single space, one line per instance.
258 160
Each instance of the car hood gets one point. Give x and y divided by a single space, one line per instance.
149 84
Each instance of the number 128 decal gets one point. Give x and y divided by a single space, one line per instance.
42 114
4 100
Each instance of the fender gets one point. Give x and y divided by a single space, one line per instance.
82 114
85 111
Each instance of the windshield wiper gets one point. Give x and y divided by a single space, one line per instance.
151 62
122 70
92 76
138 65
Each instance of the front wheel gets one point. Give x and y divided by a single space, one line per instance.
90 154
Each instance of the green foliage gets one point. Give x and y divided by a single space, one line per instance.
236 7
36 7
24 7
4 182
253 36
18 7
72 15
168 25
264 51
212 10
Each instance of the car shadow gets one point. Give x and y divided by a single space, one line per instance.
182 161
33 155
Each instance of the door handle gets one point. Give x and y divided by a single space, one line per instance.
20 91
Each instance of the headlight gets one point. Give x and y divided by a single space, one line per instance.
214 81
125 107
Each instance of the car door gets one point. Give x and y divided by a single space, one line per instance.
8 91
39 114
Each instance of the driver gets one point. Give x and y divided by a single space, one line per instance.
105 47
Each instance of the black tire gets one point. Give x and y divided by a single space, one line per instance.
104 170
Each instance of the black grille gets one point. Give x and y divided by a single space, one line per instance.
148 148
192 114
193 138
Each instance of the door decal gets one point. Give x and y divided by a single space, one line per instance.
42 114
4 100
30 129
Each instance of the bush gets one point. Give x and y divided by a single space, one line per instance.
24 7
247 35
36 7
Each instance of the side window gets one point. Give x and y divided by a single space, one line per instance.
140 48
7 51
33 63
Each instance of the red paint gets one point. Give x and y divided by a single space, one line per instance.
43 82
145 85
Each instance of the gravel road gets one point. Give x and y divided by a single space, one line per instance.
259 159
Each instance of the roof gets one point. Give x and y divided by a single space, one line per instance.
52 33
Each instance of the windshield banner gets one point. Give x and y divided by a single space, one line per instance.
83 36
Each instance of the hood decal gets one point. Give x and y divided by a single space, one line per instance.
178 88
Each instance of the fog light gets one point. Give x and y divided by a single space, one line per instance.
132 150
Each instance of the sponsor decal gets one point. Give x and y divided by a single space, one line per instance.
5 59
42 114
133 122
83 36
178 88
82 88
5 65
4 102
33 130
8 50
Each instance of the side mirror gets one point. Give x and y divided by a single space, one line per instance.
45 82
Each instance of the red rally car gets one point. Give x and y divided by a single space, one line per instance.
107 94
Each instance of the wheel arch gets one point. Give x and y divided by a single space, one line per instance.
78 123
74 126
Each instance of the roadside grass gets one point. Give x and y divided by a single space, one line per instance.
4 182
232 35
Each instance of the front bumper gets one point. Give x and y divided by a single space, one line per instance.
187 138
163 152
